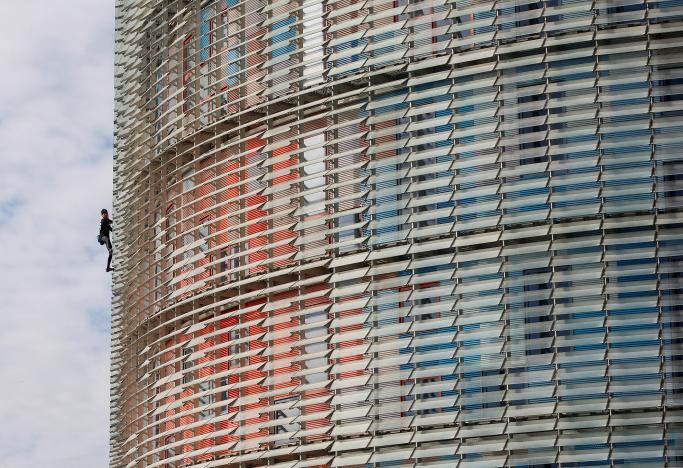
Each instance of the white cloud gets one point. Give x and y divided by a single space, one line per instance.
56 112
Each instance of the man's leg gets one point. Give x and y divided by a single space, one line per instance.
109 248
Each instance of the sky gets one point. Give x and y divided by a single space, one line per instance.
56 126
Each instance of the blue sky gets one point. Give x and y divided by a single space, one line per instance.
56 124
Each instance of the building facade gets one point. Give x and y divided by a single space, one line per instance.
398 233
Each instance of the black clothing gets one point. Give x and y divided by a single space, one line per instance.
103 238
107 242
105 227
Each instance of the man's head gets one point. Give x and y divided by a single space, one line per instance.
104 213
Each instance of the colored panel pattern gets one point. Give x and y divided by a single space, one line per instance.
395 233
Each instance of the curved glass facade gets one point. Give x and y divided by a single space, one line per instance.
398 233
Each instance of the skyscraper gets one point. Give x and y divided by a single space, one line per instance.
355 233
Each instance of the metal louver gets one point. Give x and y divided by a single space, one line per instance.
390 233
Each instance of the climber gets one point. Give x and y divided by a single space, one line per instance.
103 237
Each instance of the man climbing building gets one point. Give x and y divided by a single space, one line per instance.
103 238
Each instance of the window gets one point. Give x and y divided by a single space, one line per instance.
204 233
170 222
157 257
188 179
231 262
352 231
425 383
187 364
188 239
233 349
206 398
283 51
158 102
188 70
313 44
315 153
319 318
287 412
169 452
536 279
205 33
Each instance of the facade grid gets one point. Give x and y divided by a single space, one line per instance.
398 233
